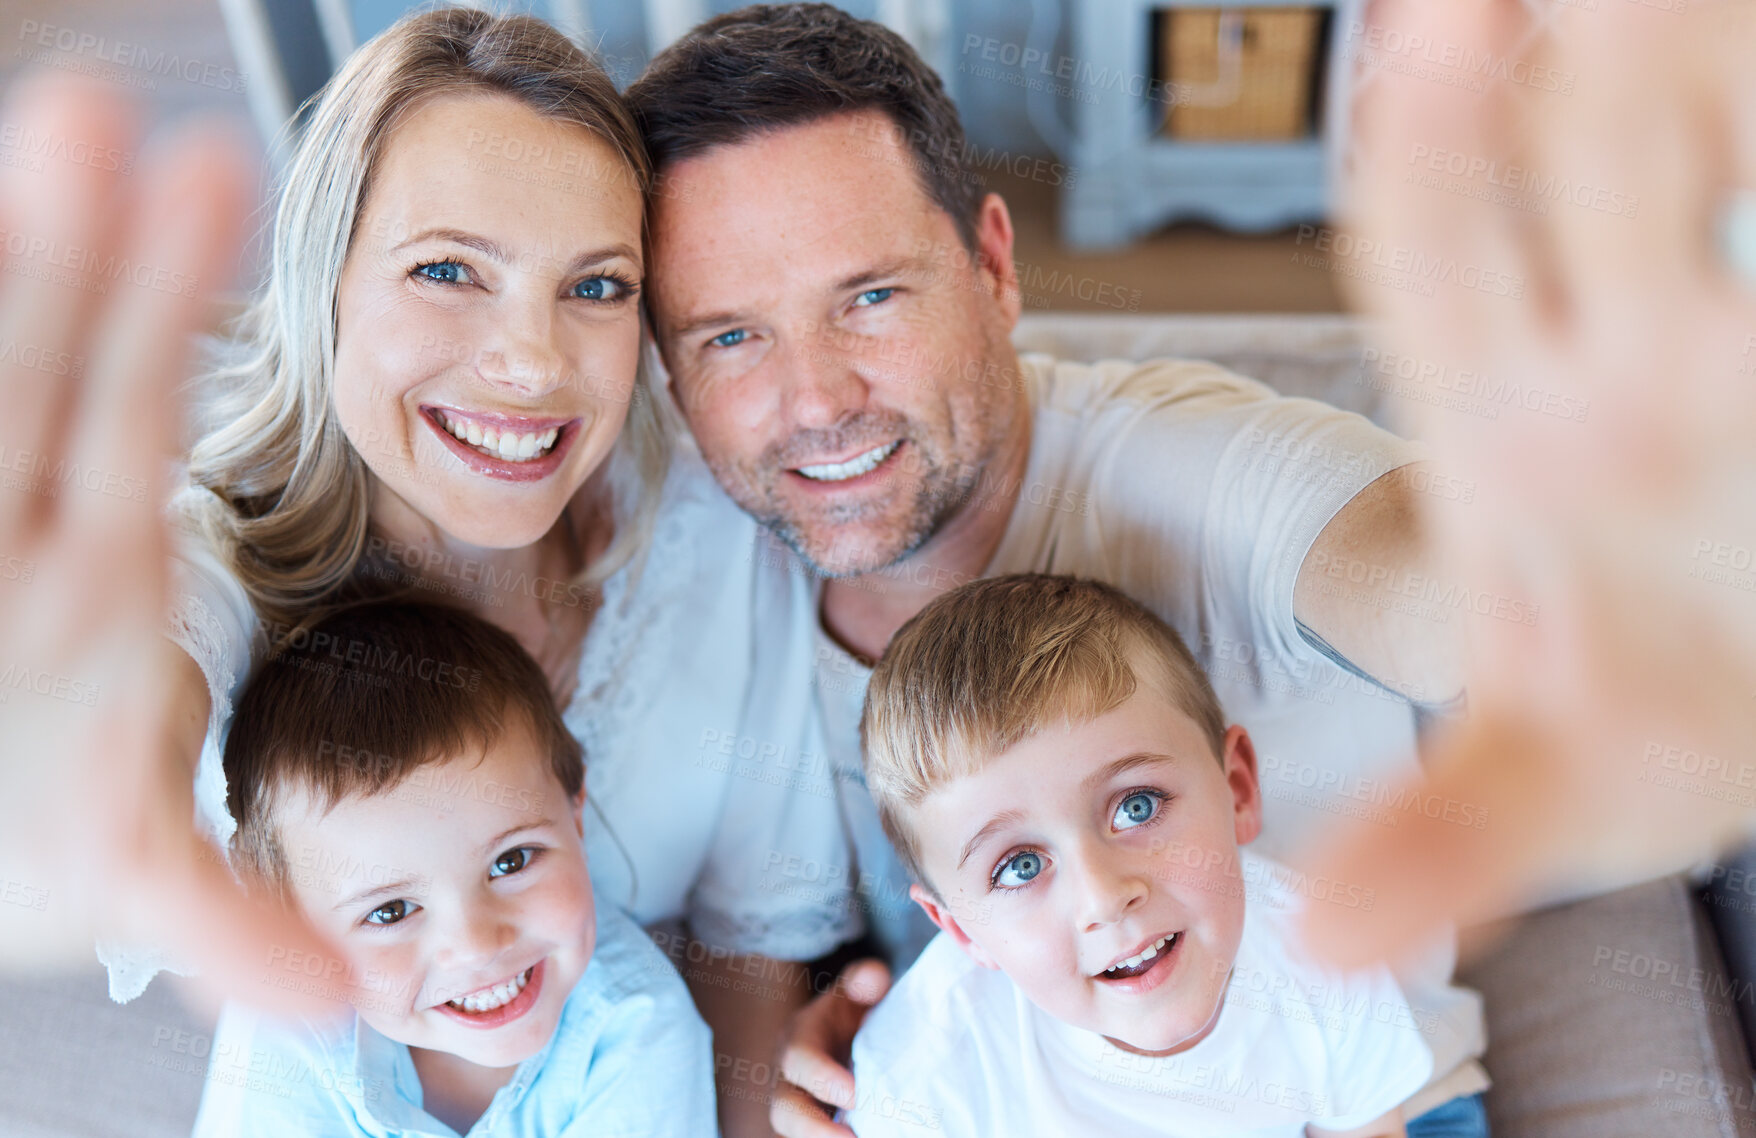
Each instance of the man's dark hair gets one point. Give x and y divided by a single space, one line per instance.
771 66
359 700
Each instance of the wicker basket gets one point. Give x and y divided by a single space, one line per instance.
1242 74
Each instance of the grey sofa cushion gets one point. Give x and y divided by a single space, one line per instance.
75 1065
1613 1017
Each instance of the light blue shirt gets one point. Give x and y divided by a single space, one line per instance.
630 1057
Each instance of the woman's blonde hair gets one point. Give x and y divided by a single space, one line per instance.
286 493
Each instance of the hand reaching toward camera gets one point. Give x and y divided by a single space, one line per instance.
1611 738
816 1056
108 262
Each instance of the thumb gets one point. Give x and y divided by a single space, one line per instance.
1477 854
248 949
865 981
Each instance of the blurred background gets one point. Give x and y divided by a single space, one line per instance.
1157 157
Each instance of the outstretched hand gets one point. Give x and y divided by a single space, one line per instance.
108 261
1611 738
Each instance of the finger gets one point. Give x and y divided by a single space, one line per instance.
811 1069
794 1114
59 206
244 948
183 242
1431 869
864 982
1444 262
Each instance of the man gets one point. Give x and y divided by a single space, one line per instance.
834 295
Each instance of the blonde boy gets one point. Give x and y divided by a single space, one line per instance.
1055 770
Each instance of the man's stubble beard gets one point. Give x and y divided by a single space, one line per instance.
939 495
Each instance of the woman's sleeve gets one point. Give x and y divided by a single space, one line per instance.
212 619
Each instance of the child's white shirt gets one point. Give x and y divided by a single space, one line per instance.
957 1049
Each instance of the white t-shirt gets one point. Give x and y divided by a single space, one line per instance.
1198 493
670 710
957 1050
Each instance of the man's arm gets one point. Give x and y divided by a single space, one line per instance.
747 1002
1363 589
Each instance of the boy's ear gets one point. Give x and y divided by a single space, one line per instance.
579 810
940 914
1239 758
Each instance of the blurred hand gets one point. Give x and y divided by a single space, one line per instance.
817 1053
105 265
1614 737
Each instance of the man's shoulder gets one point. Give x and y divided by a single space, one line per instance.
1186 385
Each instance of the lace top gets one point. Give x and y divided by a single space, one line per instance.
686 740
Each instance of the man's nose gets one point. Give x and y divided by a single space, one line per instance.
823 385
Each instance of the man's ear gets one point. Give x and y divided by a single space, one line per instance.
1238 754
940 914
994 252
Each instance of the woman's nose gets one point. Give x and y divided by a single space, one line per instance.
522 353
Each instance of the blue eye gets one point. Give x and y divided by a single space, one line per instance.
1135 810
391 912
445 272
512 861
1019 869
873 296
600 288
729 339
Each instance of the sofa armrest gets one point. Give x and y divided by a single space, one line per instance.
1615 1016
78 1066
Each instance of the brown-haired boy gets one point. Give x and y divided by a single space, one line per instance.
400 773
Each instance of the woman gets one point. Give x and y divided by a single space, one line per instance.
441 387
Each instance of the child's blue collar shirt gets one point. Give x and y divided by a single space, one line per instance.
630 1056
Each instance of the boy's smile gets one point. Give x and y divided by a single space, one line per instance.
474 949
1096 864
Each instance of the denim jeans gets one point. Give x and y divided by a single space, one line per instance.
1463 1117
